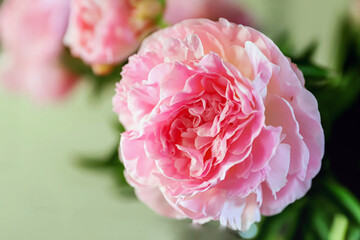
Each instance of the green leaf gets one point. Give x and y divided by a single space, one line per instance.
161 23
348 47
111 165
101 82
163 3
339 228
75 65
354 233
78 67
335 97
283 226
314 72
344 199
320 224
285 45
307 54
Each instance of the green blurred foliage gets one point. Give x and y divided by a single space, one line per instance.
99 83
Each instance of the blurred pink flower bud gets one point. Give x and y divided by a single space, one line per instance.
31 35
106 32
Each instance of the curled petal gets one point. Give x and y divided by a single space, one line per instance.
279 168
293 190
280 113
134 157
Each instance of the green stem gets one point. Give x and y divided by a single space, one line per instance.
339 227
344 198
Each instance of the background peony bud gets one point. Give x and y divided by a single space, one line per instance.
178 10
219 124
31 35
106 32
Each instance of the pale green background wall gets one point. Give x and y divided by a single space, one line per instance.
45 195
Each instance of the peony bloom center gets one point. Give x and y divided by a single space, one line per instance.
205 128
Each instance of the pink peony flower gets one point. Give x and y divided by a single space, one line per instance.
31 35
106 32
219 124
179 10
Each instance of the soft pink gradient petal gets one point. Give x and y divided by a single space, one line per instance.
262 68
293 190
308 116
280 113
279 168
154 198
134 157
236 213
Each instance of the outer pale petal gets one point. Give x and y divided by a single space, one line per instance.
279 168
134 157
153 197
139 67
211 35
135 72
120 106
280 113
236 213
308 116
262 68
293 190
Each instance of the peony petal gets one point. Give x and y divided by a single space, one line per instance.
171 78
175 50
239 214
262 68
279 165
142 99
293 190
307 114
133 155
139 67
240 186
153 197
264 147
280 113
194 44
231 214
